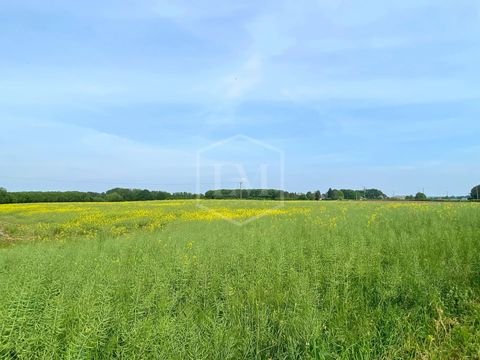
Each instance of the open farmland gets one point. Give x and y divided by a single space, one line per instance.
169 280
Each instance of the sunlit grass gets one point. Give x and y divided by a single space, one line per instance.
169 280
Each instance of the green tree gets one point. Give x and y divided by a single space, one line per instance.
475 193
339 195
350 194
4 197
334 194
143 195
330 194
114 196
318 195
420 196
374 194
299 196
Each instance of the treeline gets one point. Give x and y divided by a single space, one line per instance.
259 194
349 194
272 194
122 194
113 195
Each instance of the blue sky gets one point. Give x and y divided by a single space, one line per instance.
355 93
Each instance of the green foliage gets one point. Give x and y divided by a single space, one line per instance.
4 196
420 196
114 197
350 194
382 282
254 194
353 194
334 194
374 194
143 195
475 193
52 196
123 194
117 194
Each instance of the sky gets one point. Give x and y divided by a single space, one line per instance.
319 94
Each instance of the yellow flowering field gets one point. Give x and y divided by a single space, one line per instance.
59 221
182 280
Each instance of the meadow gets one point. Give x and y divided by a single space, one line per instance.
170 280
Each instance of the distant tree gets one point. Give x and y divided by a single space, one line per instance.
210 194
475 193
176 195
143 195
114 196
374 194
350 194
117 194
138 194
4 197
250 194
126 194
420 196
339 195
334 194
161 195
330 194
310 196
318 195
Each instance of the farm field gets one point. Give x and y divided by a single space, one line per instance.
170 280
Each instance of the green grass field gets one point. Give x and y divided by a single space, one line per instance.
313 280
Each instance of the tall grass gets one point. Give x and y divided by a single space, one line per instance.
343 280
